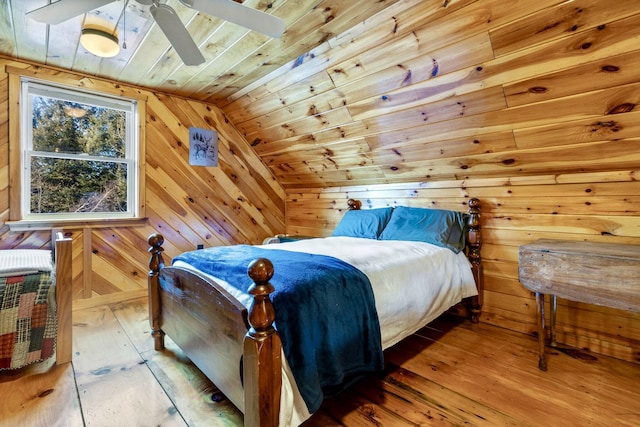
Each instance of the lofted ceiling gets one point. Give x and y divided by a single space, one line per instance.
235 58
237 61
380 91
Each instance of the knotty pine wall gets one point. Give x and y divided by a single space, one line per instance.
237 202
533 109
529 105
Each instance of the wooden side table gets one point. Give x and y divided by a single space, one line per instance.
605 274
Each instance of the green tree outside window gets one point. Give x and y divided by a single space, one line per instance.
80 157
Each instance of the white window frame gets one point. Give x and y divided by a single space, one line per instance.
29 89
20 114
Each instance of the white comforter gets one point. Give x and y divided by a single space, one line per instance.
413 283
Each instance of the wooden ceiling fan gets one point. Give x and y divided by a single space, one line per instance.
169 22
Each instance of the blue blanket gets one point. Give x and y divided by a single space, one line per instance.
325 313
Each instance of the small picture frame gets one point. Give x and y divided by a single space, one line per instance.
203 147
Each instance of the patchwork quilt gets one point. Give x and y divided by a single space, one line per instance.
28 323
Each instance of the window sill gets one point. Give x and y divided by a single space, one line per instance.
98 223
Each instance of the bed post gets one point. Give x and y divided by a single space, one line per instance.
155 264
262 364
474 243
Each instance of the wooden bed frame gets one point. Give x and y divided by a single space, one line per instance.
238 348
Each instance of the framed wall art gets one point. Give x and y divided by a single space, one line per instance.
203 147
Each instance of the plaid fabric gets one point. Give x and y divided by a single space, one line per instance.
28 322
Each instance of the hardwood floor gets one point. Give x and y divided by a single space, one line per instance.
450 373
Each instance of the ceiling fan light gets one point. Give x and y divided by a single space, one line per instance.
99 42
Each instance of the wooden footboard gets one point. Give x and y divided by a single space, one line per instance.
228 343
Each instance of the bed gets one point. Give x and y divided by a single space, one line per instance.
35 304
253 342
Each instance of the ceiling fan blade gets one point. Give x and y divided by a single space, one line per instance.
178 36
239 14
62 10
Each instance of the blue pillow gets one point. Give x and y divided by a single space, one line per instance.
366 223
438 227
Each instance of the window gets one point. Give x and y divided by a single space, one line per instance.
79 154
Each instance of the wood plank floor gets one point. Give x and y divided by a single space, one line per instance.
451 373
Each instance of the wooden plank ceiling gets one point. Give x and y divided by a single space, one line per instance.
377 92
235 57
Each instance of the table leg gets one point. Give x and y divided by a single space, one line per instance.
542 359
554 307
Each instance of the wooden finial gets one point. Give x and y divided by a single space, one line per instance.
261 312
156 241
354 204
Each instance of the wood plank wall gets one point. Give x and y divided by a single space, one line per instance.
237 202
529 105
539 121
515 211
